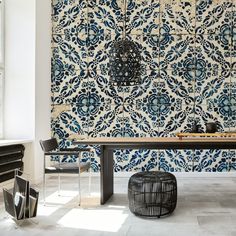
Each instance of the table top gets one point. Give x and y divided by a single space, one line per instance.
218 134
153 140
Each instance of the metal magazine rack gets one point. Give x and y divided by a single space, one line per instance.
21 201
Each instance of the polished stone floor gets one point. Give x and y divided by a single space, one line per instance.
206 206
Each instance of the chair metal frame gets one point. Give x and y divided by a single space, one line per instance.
50 147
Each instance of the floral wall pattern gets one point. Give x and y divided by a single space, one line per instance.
188 73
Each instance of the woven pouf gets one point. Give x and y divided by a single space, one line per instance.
152 194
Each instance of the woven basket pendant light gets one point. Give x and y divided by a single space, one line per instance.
125 61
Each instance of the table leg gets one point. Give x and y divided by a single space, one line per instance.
106 174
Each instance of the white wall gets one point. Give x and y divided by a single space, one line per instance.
19 97
42 81
27 84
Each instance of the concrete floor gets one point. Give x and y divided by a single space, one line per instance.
206 206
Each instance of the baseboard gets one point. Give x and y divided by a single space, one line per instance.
186 174
129 174
177 174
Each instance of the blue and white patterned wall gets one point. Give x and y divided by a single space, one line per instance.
189 73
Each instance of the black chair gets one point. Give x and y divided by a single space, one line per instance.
50 148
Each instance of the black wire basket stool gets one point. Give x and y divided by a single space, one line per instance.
152 194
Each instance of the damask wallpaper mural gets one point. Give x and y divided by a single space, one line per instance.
188 73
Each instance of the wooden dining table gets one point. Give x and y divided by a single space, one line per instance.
109 144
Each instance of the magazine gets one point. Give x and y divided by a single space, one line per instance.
9 203
31 210
21 196
19 201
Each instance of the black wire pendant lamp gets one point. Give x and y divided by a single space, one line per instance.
125 60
